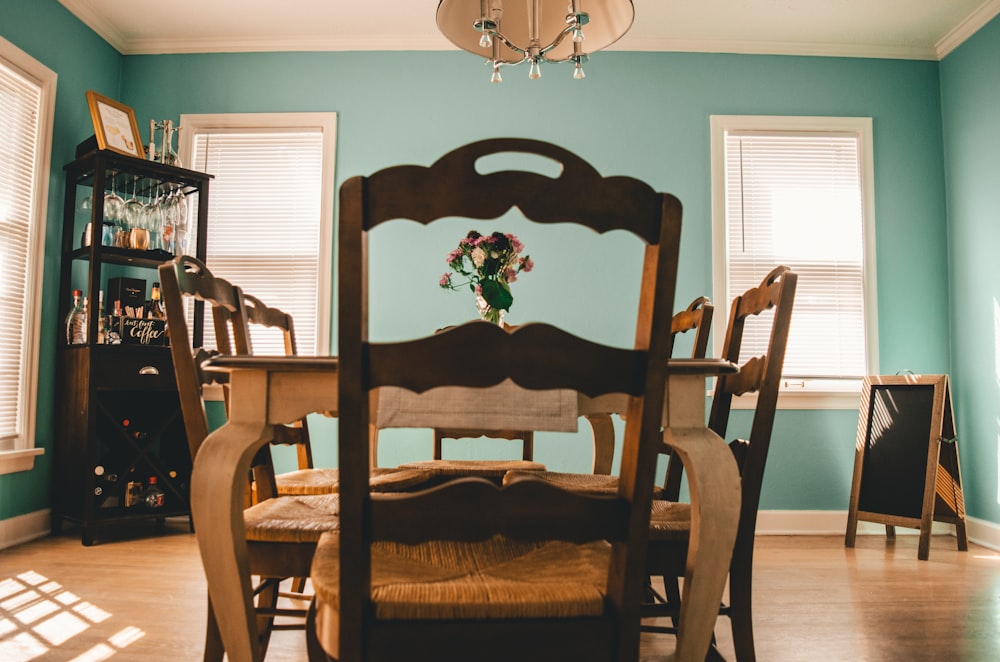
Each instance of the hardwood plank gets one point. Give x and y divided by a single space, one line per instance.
814 600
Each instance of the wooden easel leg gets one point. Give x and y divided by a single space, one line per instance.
962 534
924 548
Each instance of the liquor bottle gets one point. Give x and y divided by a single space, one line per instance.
76 321
153 496
156 310
102 320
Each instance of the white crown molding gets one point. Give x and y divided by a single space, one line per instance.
288 44
967 28
776 48
97 22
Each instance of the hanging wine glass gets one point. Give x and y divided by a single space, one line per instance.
181 225
114 206
153 222
136 233
172 210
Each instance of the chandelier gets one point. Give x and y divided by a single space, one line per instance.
534 31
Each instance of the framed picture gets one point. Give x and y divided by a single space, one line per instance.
114 125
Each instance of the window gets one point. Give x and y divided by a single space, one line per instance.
270 213
27 101
798 191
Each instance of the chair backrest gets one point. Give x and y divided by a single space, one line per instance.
536 356
696 317
187 277
259 313
759 374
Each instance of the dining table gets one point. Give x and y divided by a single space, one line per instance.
268 391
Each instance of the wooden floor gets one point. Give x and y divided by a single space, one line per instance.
143 599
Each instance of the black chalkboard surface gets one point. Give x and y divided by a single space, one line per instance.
906 470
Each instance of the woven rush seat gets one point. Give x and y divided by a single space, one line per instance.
485 468
669 520
589 483
325 481
494 579
292 519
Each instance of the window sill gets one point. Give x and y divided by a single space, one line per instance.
17 461
804 400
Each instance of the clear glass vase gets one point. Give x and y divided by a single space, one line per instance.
488 313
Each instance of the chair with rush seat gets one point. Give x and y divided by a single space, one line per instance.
281 532
469 569
696 317
670 525
307 478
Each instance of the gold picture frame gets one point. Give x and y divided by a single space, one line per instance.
114 125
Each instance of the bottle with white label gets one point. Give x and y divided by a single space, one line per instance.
76 321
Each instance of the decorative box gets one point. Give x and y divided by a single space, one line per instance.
141 330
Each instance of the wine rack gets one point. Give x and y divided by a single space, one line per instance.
118 416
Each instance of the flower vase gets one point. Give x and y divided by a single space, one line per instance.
488 313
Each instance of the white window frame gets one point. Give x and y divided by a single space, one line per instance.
193 124
796 394
22 457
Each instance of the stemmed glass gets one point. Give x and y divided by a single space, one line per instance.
178 213
113 203
152 213
173 211
137 234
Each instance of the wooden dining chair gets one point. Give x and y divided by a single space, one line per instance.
696 317
469 569
670 525
281 532
307 478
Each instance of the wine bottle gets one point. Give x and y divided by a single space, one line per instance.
156 310
76 321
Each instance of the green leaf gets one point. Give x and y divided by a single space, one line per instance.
497 294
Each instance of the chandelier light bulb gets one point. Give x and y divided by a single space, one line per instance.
515 32
496 78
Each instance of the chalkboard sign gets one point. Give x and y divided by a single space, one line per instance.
906 470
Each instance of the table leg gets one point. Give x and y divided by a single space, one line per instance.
218 481
714 483
715 508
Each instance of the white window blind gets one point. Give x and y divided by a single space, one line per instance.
797 197
269 221
26 101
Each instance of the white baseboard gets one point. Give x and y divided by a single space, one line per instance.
834 522
23 528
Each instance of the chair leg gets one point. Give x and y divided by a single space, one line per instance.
741 610
314 651
213 639
267 598
672 591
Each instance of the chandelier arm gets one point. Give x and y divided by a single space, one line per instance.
555 42
508 43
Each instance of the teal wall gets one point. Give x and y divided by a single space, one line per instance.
970 84
82 60
640 114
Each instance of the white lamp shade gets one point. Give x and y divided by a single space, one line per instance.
609 20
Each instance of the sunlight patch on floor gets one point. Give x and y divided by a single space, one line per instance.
37 614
